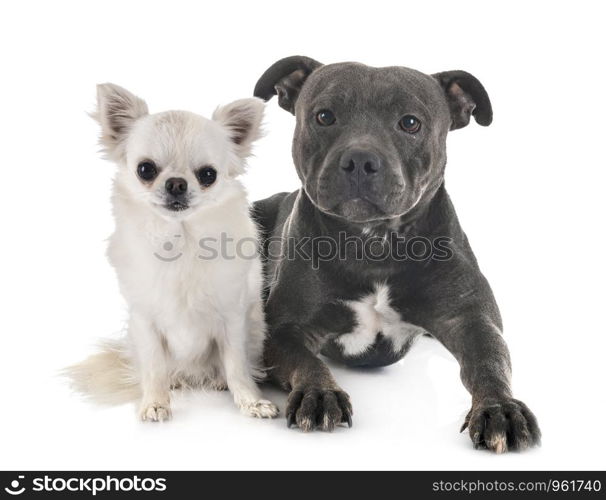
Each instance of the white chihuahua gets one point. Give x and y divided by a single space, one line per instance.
195 313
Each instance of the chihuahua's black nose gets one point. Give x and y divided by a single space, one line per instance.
359 160
176 186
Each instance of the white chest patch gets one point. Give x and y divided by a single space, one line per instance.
374 315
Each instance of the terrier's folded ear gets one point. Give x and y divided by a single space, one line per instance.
242 119
117 111
285 78
466 97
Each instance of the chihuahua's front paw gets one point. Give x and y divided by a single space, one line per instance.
502 425
260 409
216 383
155 412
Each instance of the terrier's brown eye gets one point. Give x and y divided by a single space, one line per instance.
410 124
206 176
325 117
147 171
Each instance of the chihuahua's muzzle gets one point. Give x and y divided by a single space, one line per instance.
176 194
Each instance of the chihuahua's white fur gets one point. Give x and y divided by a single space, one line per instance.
192 321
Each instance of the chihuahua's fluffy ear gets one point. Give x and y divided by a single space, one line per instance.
117 111
242 119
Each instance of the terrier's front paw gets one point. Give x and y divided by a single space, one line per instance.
318 408
500 425
260 409
155 412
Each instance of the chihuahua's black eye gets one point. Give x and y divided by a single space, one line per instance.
206 176
325 117
147 171
410 124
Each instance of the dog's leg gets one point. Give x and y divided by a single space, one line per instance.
153 369
256 339
238 372
315 399
496 420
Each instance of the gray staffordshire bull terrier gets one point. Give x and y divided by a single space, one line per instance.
369 253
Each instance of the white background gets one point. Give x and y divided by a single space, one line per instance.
528 190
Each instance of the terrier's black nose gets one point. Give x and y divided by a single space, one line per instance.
176 186
358 160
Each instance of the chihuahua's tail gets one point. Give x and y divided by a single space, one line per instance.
107 377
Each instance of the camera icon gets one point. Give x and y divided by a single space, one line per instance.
14 487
